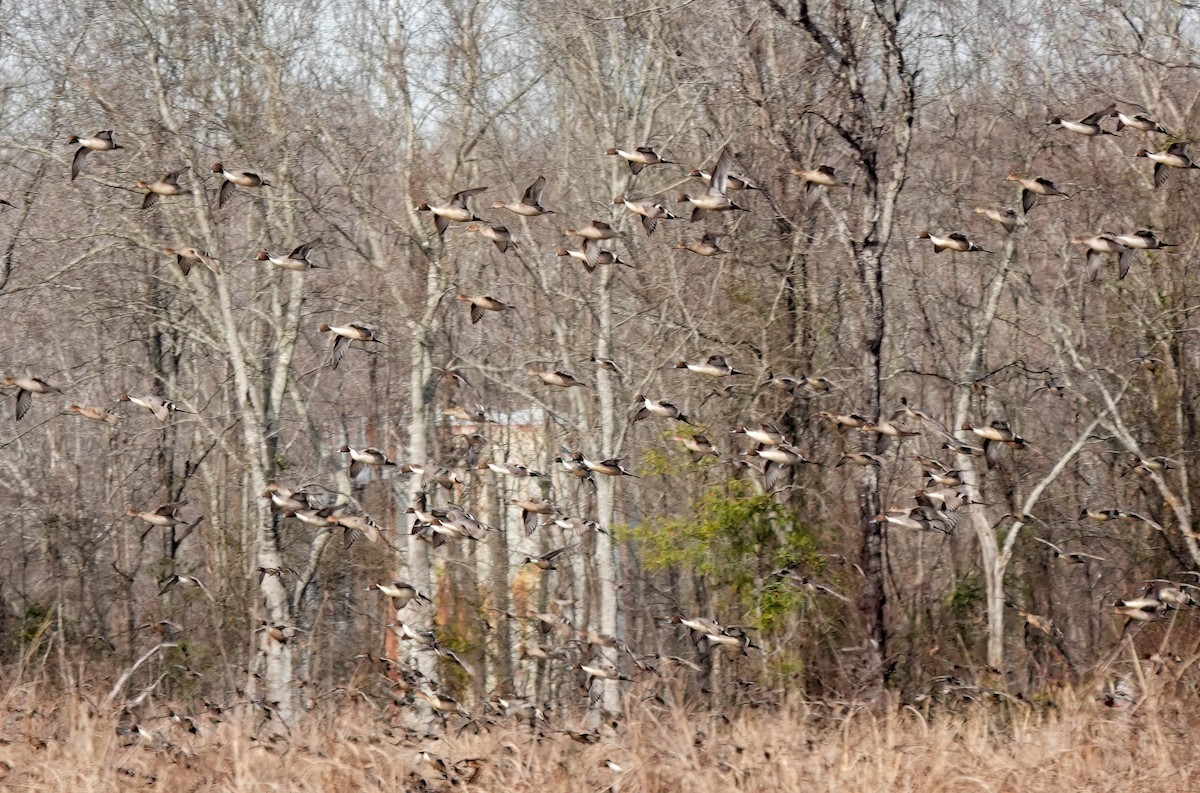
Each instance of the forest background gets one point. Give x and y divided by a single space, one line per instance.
357 112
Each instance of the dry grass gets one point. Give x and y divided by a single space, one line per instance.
52 745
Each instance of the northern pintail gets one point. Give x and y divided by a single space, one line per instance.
1138 122
997 431
600 670
401 593
954 241
499 235
592 234
707 246
1152 465
715 366
360 458
842 422
435 474
482 303
638 158
555 377
778 459
1101 515
530 204
574 465
654 407
343 335
186 581
648 210
715 198
1040 623
160 407
234 179
531 507
593 256
816 385
1005 216
596 230
607 364
889 427
163 517
297 260
781 382
186 258
765 434
356 526
168 185
513 469
1074 557
26 387
101 141
734 181
699 446
609 467
441 703
95 414
287 500
1143 240
1033 187
821 176
1101 244
902 518
860 458
457 210
1175 156
1089 126
946 478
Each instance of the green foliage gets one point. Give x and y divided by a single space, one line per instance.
966 600
33 622
778 599
656 462
734 538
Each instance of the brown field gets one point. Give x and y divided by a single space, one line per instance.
948 743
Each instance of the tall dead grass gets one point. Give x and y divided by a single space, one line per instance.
50 743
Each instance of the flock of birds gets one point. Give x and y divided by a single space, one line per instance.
938 504
1122 246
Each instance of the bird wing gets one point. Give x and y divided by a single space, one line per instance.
77 161
160 408
210 262
1124 262
340 345
440 224
533 193
1094 267
1056 549
720 176
23 403
302 251
1028 197
459 199
225 192
502 238
591 254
